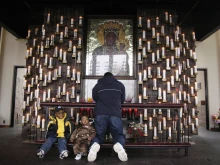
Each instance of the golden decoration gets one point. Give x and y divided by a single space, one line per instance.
115 27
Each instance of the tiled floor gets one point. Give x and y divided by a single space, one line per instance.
205 150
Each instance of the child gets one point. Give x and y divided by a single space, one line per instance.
81 138
59 129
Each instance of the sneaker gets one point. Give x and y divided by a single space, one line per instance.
78 157
122 155
63 154
40 153
93 152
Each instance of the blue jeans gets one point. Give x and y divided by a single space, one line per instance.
51 140
113 124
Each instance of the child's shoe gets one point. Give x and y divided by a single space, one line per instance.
78 156
40 153
63 154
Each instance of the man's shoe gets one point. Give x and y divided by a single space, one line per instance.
93 152
78 157
40 153
122 155
63 154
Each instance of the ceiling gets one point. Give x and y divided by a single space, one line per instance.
200 14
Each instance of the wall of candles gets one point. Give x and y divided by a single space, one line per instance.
166 61
166 69
53 62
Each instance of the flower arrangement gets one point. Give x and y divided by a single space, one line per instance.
216 117
135 130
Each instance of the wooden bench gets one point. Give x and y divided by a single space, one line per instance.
182 145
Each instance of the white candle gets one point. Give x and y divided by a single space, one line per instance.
193 127
64 87
78 77
155 131
145 74
158 71
180 95
73 73
49 76
61 35
145 92
167 40
181 112
159 92
73 91
150 122
168 113
80 20
145 128
164 95
38 120
172 80
164 74
71 112
166 16
153 32
48 93
75 33
51 61
79 42
164 122
158 37
189 119
148 45
139 42
22 120
70 44
43 123
59 70
72 21
77 98
64 56
193 111
188 97
61 19
145 113
167 63
140 99
67 97
58 91
27 116
154 83
196 100
153 57
140 21
143 34
66 31
159 125
168 86
141 118
140 76
170 19
197 122
169 132
77 118
162 29
148 23
44 96
68 70
149 71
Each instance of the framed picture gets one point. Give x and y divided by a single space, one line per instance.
109 46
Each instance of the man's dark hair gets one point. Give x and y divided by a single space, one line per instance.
108 74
